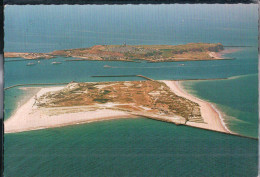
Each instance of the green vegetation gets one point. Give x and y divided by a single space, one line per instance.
101 100
151 53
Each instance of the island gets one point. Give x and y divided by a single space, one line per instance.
133 53
84 102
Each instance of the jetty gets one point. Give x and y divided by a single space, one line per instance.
19 85
144 77
180 122
115 76
147 78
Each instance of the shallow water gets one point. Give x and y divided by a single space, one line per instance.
236 98
135 147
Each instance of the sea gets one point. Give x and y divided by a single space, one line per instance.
136 147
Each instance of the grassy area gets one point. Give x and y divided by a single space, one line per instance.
151 53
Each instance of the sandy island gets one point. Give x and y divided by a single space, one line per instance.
30 117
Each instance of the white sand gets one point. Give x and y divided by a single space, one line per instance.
29 117
211 116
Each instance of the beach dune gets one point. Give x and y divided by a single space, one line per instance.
211 116
30 117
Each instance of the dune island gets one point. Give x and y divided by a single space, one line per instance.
84 102
131 53
78 103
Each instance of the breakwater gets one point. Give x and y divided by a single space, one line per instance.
147 78
182 123
19 85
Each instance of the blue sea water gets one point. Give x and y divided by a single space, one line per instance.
47 28
129 147
239 105
136 147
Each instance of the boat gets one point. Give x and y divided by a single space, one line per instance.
30 64
107 66
55 63
181 64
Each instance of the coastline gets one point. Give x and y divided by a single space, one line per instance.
22 99
149 53
221 115
212 116
29 117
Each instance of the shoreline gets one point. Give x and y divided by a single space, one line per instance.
221 117
29 117
23 100
210 114
213 106
181 52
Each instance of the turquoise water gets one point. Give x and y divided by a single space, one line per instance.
241 91
240 105
16 97
136 147
45 72
131 147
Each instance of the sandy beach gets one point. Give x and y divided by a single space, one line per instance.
30 117
212 117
